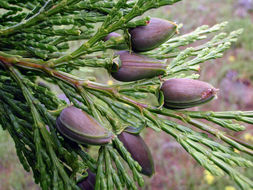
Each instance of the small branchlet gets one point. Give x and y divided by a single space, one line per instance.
36 41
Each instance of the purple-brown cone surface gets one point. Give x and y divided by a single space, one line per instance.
185 93
89 182
135 67
113 34
80 127
156 32
139 151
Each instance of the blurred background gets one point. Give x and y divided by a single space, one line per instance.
232 74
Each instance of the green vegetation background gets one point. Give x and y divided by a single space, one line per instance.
175 169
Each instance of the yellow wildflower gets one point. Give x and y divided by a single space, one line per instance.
230 188
236 151
110 82
248 137
231 58
208 177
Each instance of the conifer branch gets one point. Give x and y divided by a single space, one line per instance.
35 42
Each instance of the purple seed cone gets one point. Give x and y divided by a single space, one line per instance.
148 37
185 93
80 127
89 182
113 34
135 67
139 151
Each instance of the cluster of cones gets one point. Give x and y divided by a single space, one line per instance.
179 93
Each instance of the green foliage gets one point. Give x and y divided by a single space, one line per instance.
247 36
35 42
